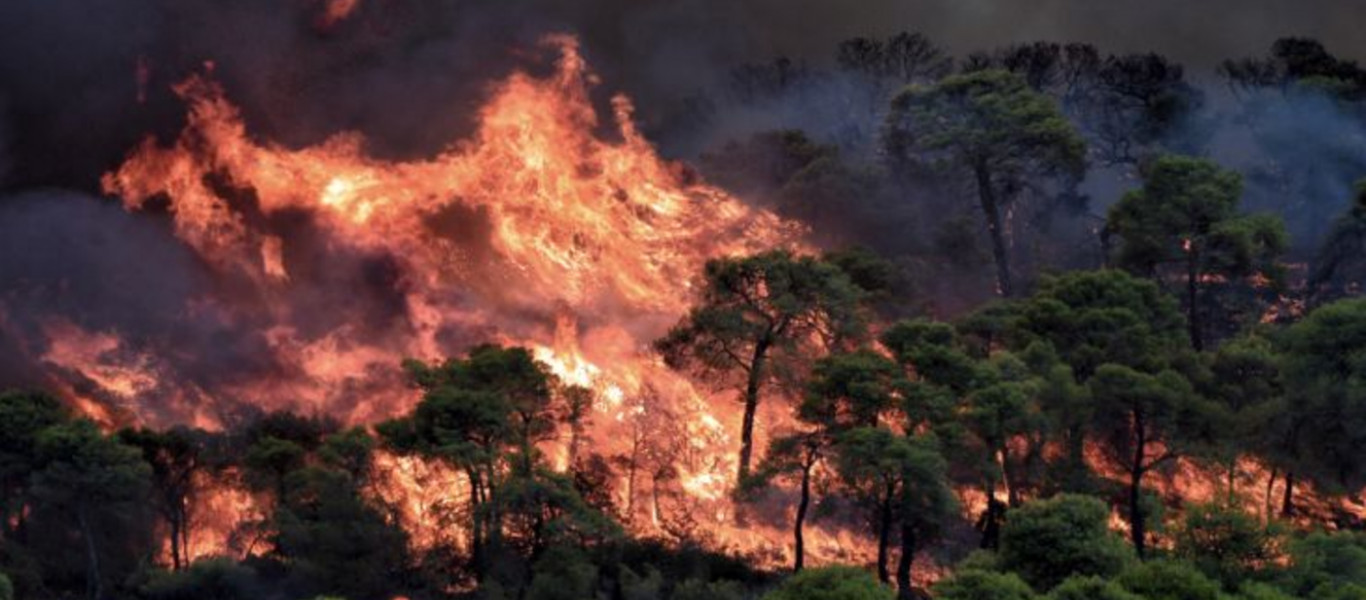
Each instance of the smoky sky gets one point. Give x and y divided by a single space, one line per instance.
83 82
410 73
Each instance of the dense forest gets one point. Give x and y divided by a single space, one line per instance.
1065 324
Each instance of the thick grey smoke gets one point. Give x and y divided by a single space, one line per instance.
407 73
82 81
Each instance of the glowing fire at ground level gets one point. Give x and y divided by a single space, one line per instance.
533 232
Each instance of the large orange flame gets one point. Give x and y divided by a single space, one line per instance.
536 230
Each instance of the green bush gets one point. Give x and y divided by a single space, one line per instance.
1168 580
563 573
1225 542
831 583
636 587
208 579
1090 587
1326 561
1048 541
1342 591
1253 590
983 585
696 589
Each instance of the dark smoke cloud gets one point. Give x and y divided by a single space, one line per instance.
73 256
83 81
409 73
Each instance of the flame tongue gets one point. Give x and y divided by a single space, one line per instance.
533 231
531 216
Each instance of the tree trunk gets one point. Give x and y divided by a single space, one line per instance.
175 539
476 525
1288 500
94 587
991 523
185 534
1192 300
756 375
493 529
986 195
575 432
799 543
1137 520
1078 479
1008 478
1266 499
1232 480
903 564
884 535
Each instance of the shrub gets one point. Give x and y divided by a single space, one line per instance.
983 585
1168 580
696 589
1048 541
831 583
208 579
1225 542
1090 587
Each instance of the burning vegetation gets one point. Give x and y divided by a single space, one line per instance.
544 361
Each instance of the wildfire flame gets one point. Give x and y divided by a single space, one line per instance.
535 231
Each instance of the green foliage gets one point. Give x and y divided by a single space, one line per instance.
637 587
333 539
760 165
1183 199
1323 562
831 583
563 573
6 588
1254 590
933 351
1184 222
1095 317
1341 255
208 579
349 451
872 273
985 116
1325 377
1350 591
1047 541
758 316
1245 380
543 508
696 589
989 128
983 585
849 390
486 415
1225 542
1090 587
1166 408
829 191
23 416
1143 422
84 470
1168 580
774 300
176 456
1002 410
270 460
875 461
